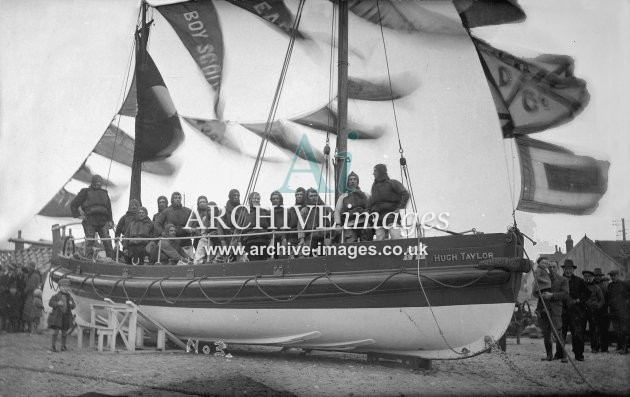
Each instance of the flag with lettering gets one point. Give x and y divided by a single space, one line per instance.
197 25
555 179
532 95
272 11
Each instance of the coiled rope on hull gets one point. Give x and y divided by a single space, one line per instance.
196 282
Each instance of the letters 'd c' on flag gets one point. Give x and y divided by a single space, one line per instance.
555 179
197 25
531 95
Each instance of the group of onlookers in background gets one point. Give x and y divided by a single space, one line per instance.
21 304
568 303
140 246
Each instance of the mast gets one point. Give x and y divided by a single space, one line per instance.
342 100
142 37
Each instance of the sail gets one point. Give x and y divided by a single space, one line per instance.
158 130
57 94
555 179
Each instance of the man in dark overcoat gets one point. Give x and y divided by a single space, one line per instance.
549 312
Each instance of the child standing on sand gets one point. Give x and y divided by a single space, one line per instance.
61 317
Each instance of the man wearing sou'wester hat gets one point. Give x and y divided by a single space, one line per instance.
575 313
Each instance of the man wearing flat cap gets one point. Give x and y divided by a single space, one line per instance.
593 305
575 313
617 299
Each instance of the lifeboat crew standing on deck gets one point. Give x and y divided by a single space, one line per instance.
293 221
122 227
257 221
355 201
388 197
277 216
140 226
233 203
177 215
162 203
308 234
96 214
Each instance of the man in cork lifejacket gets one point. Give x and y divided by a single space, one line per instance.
93 207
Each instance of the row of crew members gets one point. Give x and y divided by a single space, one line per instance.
388 195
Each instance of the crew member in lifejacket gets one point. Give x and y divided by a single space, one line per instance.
162 203
278 220
308 235
122 227
300 202
233 203
255 244
349 205
177 215
389 196
140 226
93 207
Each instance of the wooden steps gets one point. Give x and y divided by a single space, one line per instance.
121 320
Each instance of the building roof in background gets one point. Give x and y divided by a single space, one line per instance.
40 255
617 249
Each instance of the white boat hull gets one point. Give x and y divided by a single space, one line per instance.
409 331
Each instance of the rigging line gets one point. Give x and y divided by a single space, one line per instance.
391 93
275 103
389 77
510 180
331 69
124 91
513 198
272 112
437 324
325 166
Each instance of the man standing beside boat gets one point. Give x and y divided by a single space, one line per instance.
389 196
96 214
549 312
576 308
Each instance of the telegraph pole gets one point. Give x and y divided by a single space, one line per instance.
623 227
